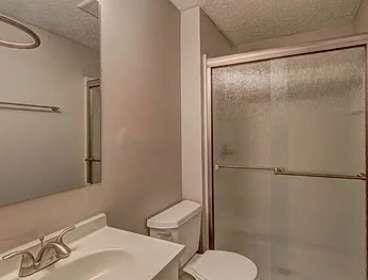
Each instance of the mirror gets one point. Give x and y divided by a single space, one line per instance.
50 98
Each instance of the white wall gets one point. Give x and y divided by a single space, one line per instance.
199 36
43 153
141 128
191 110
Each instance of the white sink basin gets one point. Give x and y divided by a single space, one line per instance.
99 265
100 252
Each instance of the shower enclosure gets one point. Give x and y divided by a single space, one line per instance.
286 150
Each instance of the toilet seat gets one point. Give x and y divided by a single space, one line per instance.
220 265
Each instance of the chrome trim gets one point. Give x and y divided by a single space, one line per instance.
207 150
16 45
30 264
305 48
284 172
279 171
28 107
206 158
27 263
92 160
234 166
60 238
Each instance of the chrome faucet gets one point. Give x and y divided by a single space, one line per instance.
50 253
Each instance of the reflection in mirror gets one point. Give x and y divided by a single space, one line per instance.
50 99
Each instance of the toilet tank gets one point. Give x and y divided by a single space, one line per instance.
181 224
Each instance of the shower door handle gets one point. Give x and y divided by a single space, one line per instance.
92 160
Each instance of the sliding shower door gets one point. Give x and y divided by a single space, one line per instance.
304 114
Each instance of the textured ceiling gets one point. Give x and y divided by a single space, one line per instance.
61 17
244 21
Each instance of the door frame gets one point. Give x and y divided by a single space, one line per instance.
89 160
254 56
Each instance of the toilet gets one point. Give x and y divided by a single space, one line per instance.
182 224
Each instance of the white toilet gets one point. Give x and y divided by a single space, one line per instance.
181 224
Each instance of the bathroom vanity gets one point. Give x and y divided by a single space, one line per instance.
104 253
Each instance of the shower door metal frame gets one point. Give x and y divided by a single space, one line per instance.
256 56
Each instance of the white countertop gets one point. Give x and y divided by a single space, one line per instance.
132 256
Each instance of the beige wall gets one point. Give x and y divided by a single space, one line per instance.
213 42
141 128
361 20
52 158
141 108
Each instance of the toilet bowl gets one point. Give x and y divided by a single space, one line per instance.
182 224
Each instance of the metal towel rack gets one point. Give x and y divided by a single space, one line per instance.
278 171
29 107
36 41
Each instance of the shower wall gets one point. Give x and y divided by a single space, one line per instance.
303 113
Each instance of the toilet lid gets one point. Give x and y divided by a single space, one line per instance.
220 265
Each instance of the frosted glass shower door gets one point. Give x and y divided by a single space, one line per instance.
303 113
